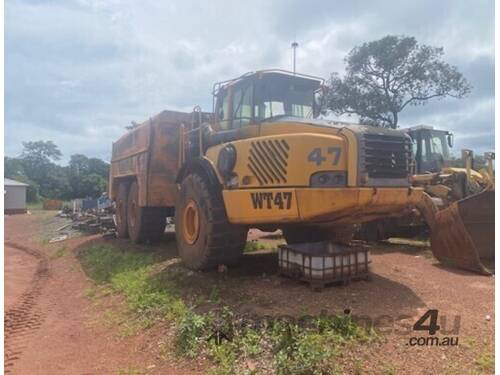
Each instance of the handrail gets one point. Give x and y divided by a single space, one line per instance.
217 85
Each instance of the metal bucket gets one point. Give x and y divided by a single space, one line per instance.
463 234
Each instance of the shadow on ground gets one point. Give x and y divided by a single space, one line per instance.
254 286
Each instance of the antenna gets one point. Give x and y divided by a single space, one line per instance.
294 47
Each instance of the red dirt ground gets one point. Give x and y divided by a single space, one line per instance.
62 340
52 328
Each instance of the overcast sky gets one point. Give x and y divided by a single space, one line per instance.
77 72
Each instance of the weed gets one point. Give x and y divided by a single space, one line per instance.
358 367
62 251
130 370
200 300
253 245
224 356
90 292
102 262
468 342
250 343
214 295
132 328
343 327
307 353
293 349
192 332
486 361
389 370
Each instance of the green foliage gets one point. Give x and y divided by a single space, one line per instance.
224 356
308 353
87 177
83 177
386 75
102 262
62 251
13 167
192 333
251 343
293 349
131 274
251 246
486 361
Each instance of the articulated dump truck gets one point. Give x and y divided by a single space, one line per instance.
260 159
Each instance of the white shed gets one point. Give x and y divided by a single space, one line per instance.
14 196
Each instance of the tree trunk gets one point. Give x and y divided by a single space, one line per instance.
394 124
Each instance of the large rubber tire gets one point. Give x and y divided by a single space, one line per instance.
205 238
121 211
144 223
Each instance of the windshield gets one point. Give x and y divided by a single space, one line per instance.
437 146
281 95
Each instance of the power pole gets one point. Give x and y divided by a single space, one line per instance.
294 47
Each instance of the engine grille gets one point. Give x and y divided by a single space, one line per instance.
387 156
268 161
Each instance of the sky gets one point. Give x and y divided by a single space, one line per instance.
78 71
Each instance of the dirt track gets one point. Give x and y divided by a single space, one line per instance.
60 331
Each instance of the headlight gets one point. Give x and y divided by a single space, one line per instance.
226 160
328 179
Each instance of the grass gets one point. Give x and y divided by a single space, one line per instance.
486 361
130 370
389 370
60 252
254 245
217 335
32 206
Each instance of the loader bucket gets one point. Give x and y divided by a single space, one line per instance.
463 234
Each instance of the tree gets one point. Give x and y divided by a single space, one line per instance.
385 76
41 150
37 159
13 167
87 176
83 177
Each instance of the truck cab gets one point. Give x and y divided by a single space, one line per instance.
254 98
431 148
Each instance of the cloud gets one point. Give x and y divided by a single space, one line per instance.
77 72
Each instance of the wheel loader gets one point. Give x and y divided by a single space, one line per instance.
261 158
462 204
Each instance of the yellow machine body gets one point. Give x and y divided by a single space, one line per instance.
271 183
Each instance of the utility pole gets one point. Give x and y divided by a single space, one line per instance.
294 47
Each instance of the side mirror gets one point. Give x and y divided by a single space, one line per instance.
317 104
450 139
319 98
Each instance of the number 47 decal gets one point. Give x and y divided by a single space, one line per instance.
316 156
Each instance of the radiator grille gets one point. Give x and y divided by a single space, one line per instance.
268 161
387 156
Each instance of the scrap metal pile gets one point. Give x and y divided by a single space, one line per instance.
93 220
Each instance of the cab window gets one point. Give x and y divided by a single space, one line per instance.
242 106
223 111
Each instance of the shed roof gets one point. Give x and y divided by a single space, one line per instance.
9 182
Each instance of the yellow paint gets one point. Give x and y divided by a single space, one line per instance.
334 205
439 190
298 168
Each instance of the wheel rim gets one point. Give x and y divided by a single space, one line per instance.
191 222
